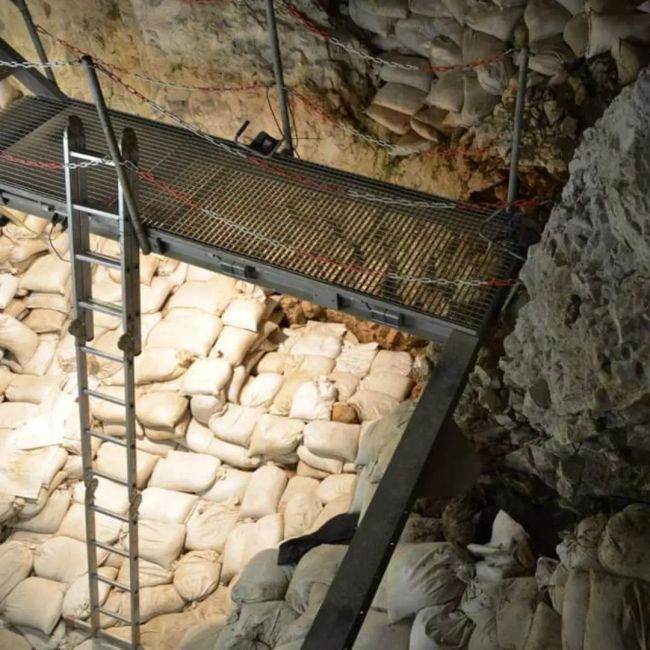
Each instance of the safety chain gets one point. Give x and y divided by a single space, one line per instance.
52 165
311 26
38 64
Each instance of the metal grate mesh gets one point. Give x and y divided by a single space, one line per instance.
318 233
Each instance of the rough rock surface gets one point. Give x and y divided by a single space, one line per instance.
576 363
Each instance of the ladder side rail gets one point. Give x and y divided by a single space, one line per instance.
82 328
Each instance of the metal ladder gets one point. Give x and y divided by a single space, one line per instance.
83 259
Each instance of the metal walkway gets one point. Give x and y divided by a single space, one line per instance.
339 239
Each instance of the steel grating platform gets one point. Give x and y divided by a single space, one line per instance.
339 239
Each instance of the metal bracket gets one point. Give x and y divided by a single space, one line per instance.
243 271
158 246
385 316
126 344
77 329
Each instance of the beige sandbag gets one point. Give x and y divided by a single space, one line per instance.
263 493
15 414
574 7
477 102
546 630
332 439
8 638
387 8
229 486
204 407
262 579
166 506
377 24
579 549
435 628
283 401
63 559
357 359
158 542
314 400
334 486
108 494
260 391
516 605
303 470
401 98
630 59
154 601
185 472
494 20
197 574
310 365
19 609
393 120
390 361
161 364
16 561
574 610
111 460
272 362
206 377
329 465
16 309
244 313
576 34
76 603
107 529
150 574
234 344
50 517
548 57
51 301
545 18
372 405
193 331
32 389
210 524
8 288
232 455
18 339
275 436
397 386
42 359
418 77
236 424
44 321
48 274
300 513
161 410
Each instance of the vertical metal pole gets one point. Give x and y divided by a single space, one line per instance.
279 77
36 39
109 134
76 193
518 125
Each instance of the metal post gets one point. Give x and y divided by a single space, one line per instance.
109 134
279 77
518 125
36 39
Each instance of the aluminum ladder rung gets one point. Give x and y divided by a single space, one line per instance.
117 617
113 583
102 307
108 477
110 549
99 260
109 513
102 214
87 349
103 396
106 438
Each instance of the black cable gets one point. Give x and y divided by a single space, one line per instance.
275 119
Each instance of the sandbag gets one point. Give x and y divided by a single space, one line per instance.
440 628
332 439
244 313
346 384
259 391
630 59
316 567
203 407
161 410
276 436
108 494
8 638
50 517
422 575
544 19
111 460
160 364
230 484
44 321
234 344
8 288
310 365
206 377
378 433
329 465
211 296
262 579
18 339
493 20
150 574
284 399
158 542
394 121
397 386
574 609
32 389
76 603
377 24
549 56
19 609
573 6
546 630
63 559
334 486
272 362
576 34
166 506
397 97
193 331
210 524
605 30
232 455
356 359
579 550
15 414
388 8
236 424
246 540
516 605
42 359
263 493
48 274
107 529
16 560
377 634
313 343
477 102
300 514
197 575
372 405
185 472
419 77
154 601
314 400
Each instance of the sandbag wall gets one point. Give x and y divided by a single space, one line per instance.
423 104
248 433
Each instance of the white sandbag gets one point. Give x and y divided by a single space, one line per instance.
346 384
154 601
206 377
318 566
44 321
284 398
372 405
210 524
6 377
494 20
332 439
546 630
18 339
161 364
422 575
204 407
262 579
234 344
76 603
260 391
334 486
111 460
276 436
388 8
106 411
152 297
48 274
624 548
447 94
263 493
150 574
394 121
167 506
438 628
108 494
236 424
310 365
185 472
193 331
16 560
8 288
416 32
518 598
549 57
230 485
211 296
158 542
19 609
418 77
575 605
314 400
107 529
232 455
246 540
399 363
272 362
477 102
50 517
579 549
32 389
14 414
156 447
356 359
300 513
329 465
311 343
239 377
163 410
244 313
397 386
606 29
370 21
544 19
63 559
197 574
42 359
576 34
377 634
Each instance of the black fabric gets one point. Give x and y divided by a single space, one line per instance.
338 530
